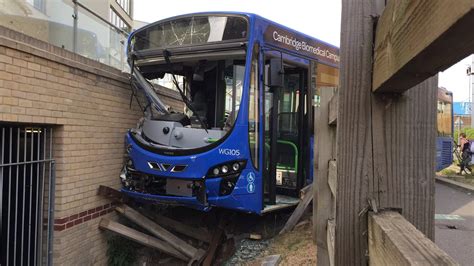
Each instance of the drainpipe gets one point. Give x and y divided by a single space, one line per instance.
470 73
52 190
74 30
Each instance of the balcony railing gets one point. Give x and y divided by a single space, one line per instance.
78 26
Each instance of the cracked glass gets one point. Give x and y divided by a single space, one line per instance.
191 31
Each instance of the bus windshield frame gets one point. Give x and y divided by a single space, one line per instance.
212 39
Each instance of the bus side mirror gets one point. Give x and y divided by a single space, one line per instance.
276 73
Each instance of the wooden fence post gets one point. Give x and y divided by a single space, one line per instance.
324 203
385 142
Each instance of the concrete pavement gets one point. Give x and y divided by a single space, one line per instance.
454 223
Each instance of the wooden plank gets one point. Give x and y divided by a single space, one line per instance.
179 244
417 39
327 76
324 200
194 232
305 191
332 120
394 241
332 177
215 242
140 237
330 239
298 212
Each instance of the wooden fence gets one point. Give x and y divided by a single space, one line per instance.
392 240
384 149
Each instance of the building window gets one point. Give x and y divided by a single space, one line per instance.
38 4
117 21
126 5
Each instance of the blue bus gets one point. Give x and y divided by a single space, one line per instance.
244 138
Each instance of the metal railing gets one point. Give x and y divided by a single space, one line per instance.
27 195
70 24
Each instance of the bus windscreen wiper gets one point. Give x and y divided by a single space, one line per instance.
166 55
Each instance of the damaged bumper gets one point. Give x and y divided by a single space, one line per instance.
168 200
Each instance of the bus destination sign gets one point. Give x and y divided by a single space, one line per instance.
320 51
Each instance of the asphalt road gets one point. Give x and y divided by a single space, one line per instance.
454 223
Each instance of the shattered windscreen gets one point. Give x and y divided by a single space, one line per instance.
191 31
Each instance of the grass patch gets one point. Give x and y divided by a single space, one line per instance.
452 173
295 247
448 172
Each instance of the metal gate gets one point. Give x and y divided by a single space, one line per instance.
27 199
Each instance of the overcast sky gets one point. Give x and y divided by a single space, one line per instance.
317 18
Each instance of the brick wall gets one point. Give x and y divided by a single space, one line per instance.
88 103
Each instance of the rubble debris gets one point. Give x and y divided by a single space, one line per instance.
272 260
140 237
255 236
215 242
295 217
235 240
248 250
193 232
179 244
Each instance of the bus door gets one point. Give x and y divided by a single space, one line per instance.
286 138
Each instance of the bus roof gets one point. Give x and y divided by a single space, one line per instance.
277 35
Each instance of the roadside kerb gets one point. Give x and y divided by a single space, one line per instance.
455 184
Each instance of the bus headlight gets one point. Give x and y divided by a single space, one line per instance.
235 166
226 169
229 172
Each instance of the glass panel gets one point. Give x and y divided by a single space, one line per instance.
47 20
117 21
234 79
99 41
287 143
191 30
268 110
289 103
125 5
52 21
268 107
254 109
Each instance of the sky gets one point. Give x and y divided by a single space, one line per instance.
317 18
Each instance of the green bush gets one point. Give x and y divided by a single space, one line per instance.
121 251
469 133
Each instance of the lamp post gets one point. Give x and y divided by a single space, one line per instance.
470 73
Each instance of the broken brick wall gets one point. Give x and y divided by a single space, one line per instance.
87 103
